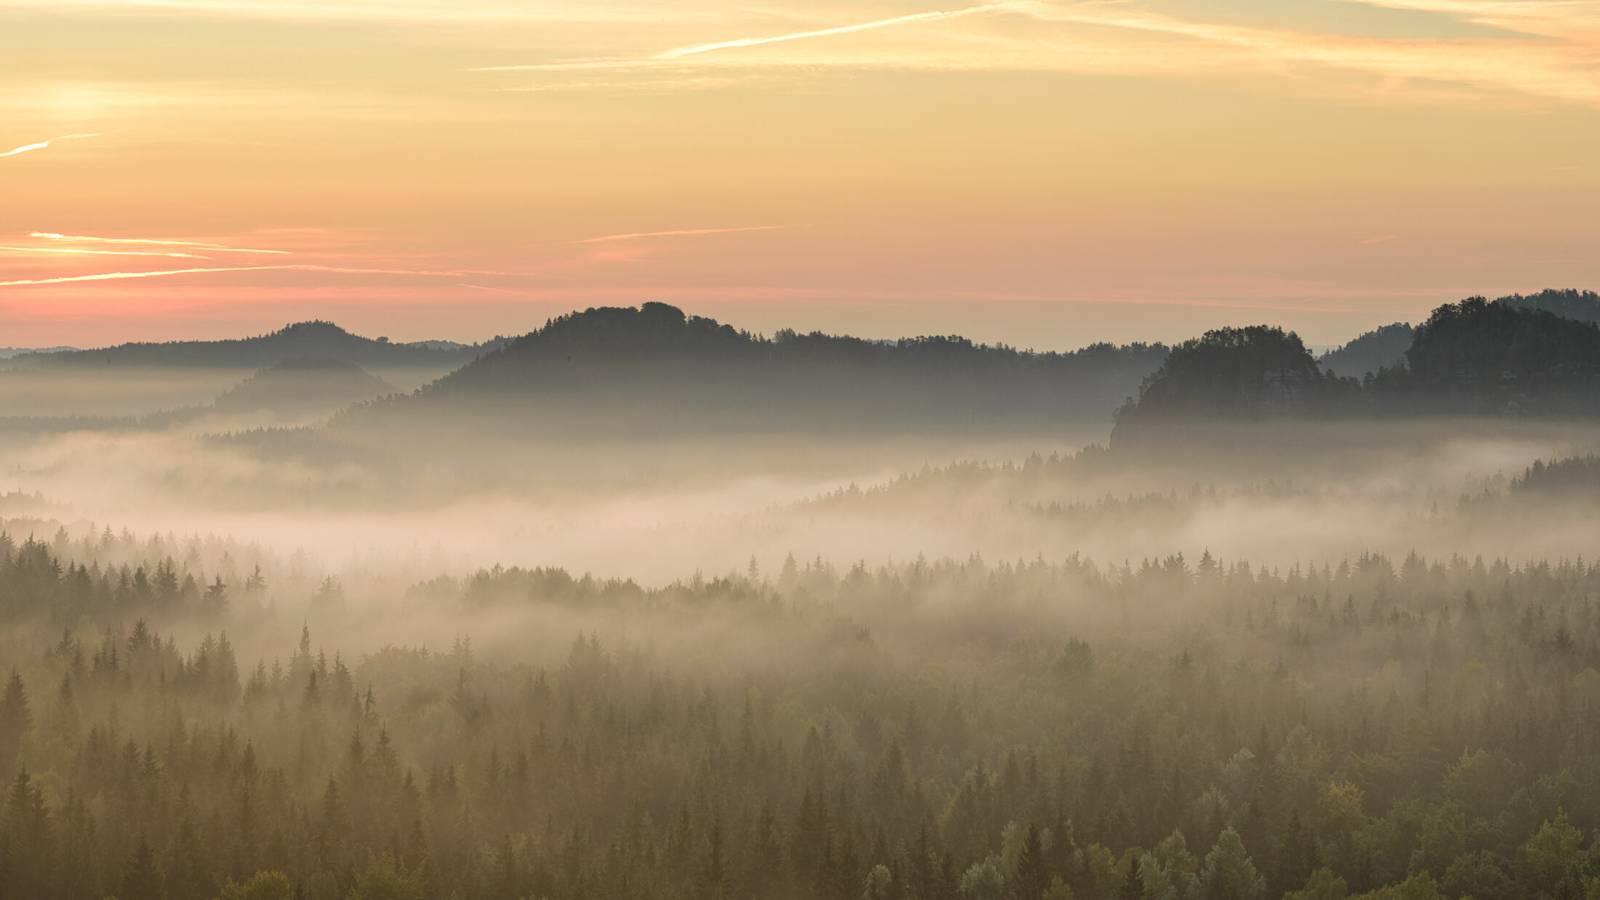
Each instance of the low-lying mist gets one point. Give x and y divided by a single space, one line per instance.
661 509
580 647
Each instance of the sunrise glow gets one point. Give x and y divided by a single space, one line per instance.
856 166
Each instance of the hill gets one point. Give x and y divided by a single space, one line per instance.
13 352
303 385
1481 357
628 370
1254 373
1581 306
1573 478
302 340
1475 357
1385 347
1381 348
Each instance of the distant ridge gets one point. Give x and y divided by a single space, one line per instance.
302 385
1385 347
1381 348
1581 306
13 352
627 369
301 340
1473 358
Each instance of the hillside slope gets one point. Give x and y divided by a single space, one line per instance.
303 385
654 368
1380 348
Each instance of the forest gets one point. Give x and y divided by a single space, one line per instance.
495 639
1175 728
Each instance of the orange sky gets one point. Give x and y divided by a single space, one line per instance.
1044 172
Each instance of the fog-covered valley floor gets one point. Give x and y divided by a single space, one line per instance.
597 613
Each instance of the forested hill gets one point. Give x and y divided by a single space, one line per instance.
13 352
1584 306
627 369
304 384
1475 358
1385 347
302 340
1231 374
1380 348
1481 357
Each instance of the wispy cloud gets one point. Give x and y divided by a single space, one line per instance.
80 251
198 245
1550 18
683 53
118 276
1560 69
467 12
498 290
293 267
1378 239
25 148
634 85
895 22
44 145
1546 49
678 232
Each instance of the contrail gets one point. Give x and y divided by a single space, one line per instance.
681 232
198 245
829 32
29 148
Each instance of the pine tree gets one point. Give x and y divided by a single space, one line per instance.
27 833
15 720
1229 874
1032 869
140 878
216 598
188 872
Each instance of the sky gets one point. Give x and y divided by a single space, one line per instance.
1045 173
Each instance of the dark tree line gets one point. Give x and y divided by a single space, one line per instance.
625 369
1473 358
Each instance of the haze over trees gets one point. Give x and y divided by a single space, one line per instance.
138 380
655 368
1583 306
1484 357
1475 357
1385 347
1231 375
1380 348
1302 729
301 340
297 385
639 605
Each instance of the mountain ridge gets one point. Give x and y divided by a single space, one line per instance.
314 338
624 368
1475 357
300 385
